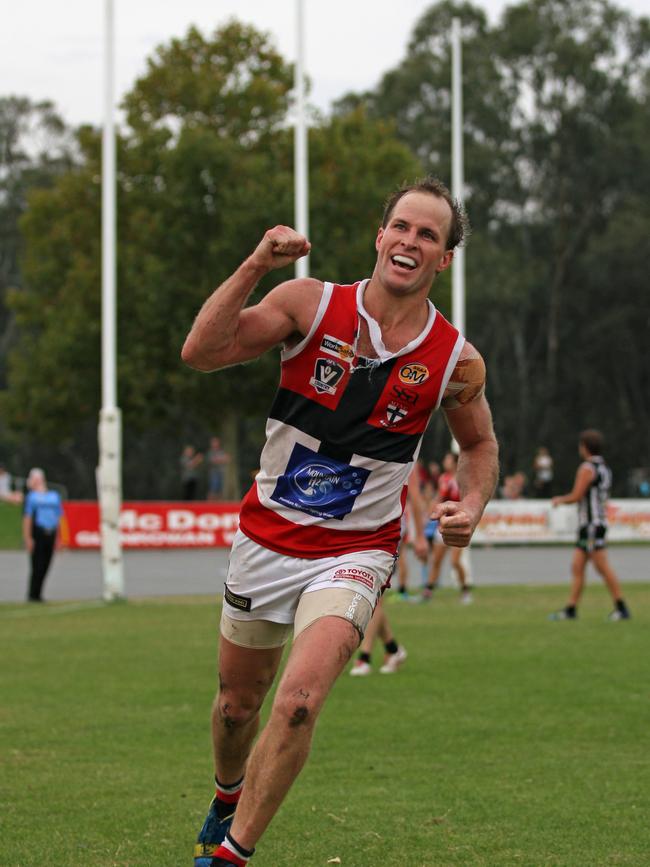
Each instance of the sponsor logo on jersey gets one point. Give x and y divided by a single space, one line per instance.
237 601
319 485
405 395
327 375
354 574
394 415
414 373
337 348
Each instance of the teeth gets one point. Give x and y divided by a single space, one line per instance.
405 260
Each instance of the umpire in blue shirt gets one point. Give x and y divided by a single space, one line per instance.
41 517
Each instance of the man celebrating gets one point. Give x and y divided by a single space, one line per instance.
362 368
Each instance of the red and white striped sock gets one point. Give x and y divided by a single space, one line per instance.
228 796
233 853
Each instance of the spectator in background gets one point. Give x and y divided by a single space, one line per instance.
5 483
514 486
7 494
190 462
41 518
217 460
543 473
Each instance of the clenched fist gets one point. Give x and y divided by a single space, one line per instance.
280 246
455 524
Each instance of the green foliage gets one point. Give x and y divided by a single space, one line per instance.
557 164
204 170
556 155
235 83
493 745
35 148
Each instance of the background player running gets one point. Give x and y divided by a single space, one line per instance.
447 490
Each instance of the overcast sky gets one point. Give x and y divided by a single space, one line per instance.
54 50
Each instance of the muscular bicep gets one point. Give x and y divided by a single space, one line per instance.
467 381
261 327
283 316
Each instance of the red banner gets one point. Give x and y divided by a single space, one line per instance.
154 524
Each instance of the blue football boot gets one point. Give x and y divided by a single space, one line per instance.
212 834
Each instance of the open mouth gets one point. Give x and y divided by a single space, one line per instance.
403 263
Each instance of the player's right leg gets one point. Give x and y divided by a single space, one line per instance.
245 676
284 744
578 566
438 555
601 561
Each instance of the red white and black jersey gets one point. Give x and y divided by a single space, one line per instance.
448 488
343 432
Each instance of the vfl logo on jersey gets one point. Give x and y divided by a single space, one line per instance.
337 348
394 415
327 375
413 374
319 485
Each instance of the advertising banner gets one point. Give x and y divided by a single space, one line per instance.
528 521
213 524
155 524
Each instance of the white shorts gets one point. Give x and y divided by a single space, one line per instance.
263 585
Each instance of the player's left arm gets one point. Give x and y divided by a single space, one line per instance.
27 532
584 478
470 421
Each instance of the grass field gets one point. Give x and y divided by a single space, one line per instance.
11 538
504 740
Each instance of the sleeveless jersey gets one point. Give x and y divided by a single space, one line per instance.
343 433
448 488
591 508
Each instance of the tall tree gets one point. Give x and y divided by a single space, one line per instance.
556 132
198 185
35 147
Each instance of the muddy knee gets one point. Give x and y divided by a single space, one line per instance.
235 711
296 711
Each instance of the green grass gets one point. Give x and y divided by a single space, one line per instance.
11 538
504 740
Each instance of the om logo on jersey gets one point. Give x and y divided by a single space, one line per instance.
413 374
319 485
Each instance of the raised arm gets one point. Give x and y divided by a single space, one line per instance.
226 333
470 421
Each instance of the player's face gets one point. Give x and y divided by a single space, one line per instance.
411 250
